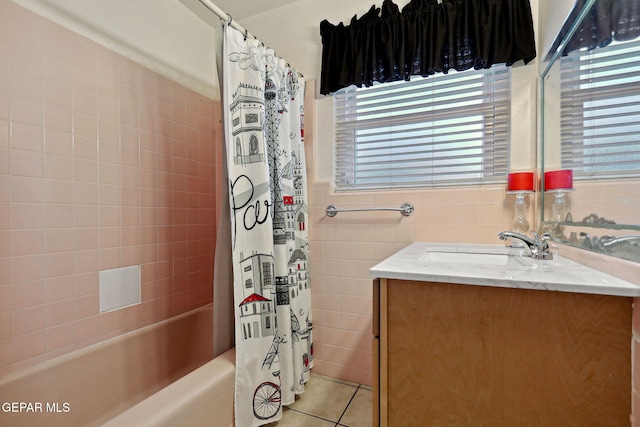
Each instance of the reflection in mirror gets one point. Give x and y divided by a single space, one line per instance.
591 126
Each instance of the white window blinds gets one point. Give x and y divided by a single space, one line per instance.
444 129
600 111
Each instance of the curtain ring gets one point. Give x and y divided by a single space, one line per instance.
246 33
229 20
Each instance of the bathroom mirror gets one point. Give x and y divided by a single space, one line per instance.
595 205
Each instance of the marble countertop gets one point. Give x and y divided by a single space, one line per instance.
498 266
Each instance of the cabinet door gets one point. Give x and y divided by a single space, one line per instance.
460 355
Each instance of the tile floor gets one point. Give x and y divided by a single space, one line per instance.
329 402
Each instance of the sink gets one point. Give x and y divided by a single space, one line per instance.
498 266
475 258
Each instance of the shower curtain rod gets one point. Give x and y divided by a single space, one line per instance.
215 9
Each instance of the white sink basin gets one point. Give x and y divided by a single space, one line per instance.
466 258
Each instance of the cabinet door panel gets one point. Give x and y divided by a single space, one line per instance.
462 355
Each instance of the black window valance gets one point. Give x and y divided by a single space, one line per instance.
427 37
606 21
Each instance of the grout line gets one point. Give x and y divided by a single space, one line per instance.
347 407
336 380
307 414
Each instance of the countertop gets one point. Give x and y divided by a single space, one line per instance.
515 271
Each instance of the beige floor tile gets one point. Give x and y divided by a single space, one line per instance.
335 380
324 398
324 402
359 412
291 418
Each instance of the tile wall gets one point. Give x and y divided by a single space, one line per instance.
103 164
613 200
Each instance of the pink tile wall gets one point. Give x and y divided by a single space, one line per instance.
614 200
103 164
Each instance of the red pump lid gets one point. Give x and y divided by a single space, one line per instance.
520 181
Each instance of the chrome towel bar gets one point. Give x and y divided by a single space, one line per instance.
406 209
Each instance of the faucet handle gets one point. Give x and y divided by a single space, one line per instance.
543 246
540 238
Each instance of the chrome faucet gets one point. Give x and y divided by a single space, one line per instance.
538 247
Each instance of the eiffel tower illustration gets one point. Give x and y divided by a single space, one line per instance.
273 118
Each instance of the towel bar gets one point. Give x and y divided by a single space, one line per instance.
406 209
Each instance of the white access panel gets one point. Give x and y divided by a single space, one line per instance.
119 287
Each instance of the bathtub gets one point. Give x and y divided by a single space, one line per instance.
203 398
160 374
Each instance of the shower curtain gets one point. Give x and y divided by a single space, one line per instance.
263 121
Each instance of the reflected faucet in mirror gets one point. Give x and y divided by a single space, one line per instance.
612 241
626 247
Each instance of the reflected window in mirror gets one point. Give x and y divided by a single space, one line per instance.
591 126
600 111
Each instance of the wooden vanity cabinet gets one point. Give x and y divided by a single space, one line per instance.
462 355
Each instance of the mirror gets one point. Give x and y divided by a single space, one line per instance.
589 132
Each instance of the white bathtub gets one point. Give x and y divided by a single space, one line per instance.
159 375
202 398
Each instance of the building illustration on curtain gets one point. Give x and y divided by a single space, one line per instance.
258 318
257 273
247 122
256 310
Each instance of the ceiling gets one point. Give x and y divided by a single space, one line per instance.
240 9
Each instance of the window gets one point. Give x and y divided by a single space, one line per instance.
600 111
266 274
444 129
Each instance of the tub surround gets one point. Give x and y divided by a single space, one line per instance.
94 384
519 271
103 164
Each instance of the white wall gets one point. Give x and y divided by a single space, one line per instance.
552 15
162 35
294 33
